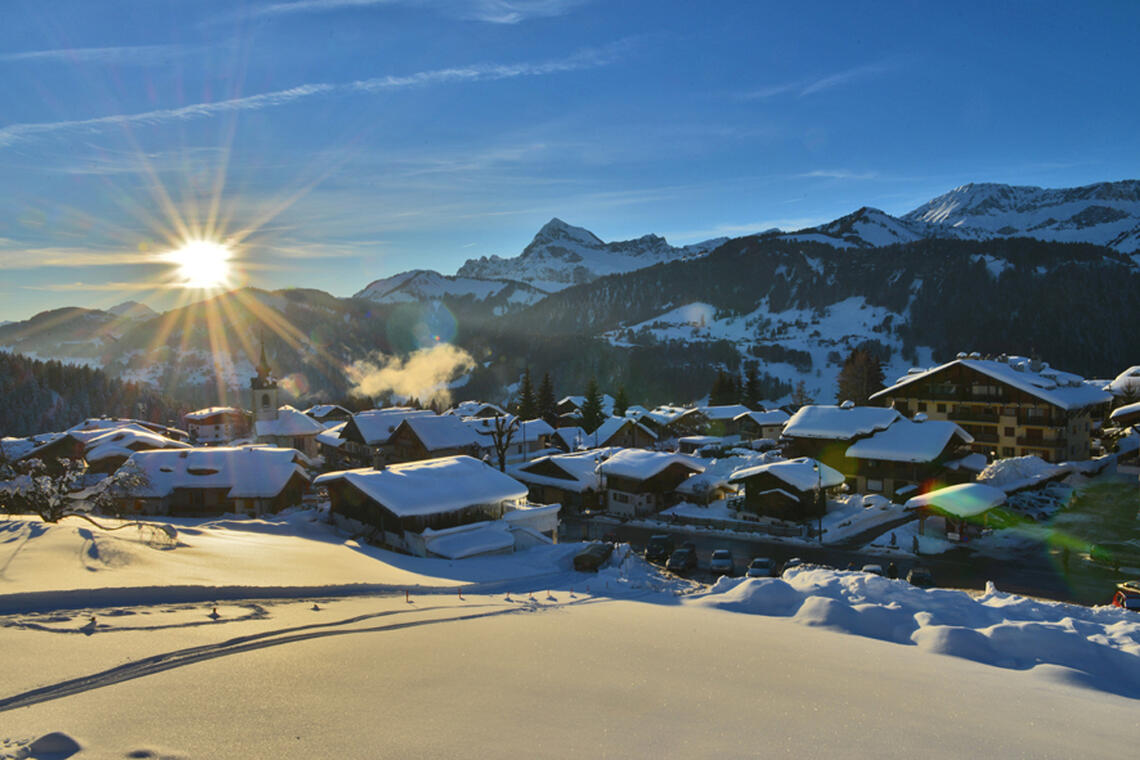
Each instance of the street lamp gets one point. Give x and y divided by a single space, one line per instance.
818 506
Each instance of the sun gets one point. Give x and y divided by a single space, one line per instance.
201 264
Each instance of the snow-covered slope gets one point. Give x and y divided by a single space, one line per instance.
1107 213
428 285
133 310
561 255
869 228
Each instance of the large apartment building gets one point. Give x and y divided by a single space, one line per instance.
1011 405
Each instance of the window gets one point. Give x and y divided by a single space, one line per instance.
942 409
922 406
874 485
1009 432
621 498
1007 451
264 400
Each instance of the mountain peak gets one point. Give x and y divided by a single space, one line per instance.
558 230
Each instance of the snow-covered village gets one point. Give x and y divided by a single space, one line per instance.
562 379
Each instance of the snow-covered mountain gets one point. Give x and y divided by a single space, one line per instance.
427 285
869 228
561 255
1107 213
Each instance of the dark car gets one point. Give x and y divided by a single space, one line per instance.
921 577
593 556
1127 595
683 560
722 563
761 567
659 548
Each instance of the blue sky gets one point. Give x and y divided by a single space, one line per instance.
346 140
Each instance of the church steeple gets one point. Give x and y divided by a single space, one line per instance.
263 389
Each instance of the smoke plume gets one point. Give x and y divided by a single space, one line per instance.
424 374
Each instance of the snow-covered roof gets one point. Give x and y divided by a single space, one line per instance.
570 436
290 423
764 419
579 401
724 411
469 540
474 409
802 473
837 423
331 436
377 425
93 424
126 441
432 486
611 426
1128 380
581 466
320 411
972 462
667 414
244 471
212 411
1014 473
908 441
641 464
437 432
1125 411
528 430
965 500
1061 389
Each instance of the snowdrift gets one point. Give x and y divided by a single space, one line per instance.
1095 647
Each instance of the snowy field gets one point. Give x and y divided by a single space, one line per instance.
132 647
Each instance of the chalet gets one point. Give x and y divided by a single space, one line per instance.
569 409
751 426
208 481
959 512
791 489
906 455
664 421
452 507
620 431
107 452
825 432
431 436
289 428
721 420
1012 406
367 435
639 482
571 480
479 409
569 438
108 423
328 414
1125 416
1126 384
332 448
217 425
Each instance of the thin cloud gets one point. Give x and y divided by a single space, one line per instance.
47 258
80 287
490 11
836 174
584 59
804 87
140 55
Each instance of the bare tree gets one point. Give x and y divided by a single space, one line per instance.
501 435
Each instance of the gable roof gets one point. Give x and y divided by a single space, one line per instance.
126 441
642 464
436 432
244 471
431 486
290 423
965 500
765 419
1061 389
580 468
611 427
320 411
837 423
376 426
800 473
909 441
724 411
199 415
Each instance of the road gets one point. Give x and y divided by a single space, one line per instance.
1032 572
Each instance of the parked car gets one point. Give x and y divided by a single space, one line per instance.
593 556
760 567
1127 595
921 577
721 562
875 569
659 548
793 562
683 560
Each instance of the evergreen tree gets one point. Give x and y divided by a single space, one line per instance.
528 403
547 405
800 395
752 392
862 375
621 402
592 413
723 390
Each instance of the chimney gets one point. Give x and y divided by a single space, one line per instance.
378 460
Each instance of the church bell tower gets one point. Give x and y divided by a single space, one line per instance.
263 390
